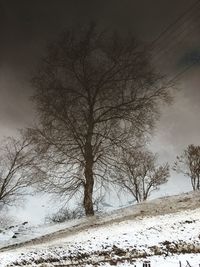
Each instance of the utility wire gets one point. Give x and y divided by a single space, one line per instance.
171 36
177 76
171 25
178 37
171 48
158 51
166 32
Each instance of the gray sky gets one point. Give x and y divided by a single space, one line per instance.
26 26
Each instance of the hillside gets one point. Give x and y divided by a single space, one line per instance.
163 231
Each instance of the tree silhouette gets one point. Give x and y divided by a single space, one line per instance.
96 94
16 166
188 163
139 174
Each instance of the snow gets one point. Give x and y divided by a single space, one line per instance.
25 232
154 207
149 231
163 239
6 235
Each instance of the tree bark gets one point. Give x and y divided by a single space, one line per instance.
198 182
89 176
88 189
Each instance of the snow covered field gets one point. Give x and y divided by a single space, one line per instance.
163 239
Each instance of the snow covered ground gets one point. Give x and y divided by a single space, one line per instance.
128 237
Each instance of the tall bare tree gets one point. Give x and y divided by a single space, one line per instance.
95 93
15 164
188 163
139 174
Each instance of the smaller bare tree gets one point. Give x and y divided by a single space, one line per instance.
188 163
15 164
139 174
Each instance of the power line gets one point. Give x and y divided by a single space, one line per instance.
179 74
174 23
166 32
170 34
178 36
170 48
178 32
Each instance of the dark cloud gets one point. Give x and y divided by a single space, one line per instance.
27 26
190 57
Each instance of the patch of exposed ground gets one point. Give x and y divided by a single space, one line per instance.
112 255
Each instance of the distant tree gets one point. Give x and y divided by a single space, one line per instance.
188 163
139 174
15 162
95 93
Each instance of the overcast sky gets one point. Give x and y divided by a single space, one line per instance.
26 27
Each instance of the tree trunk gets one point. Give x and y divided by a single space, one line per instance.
193 182
88 189
89 177
198 182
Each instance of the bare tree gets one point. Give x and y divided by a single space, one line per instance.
15 162
139 174
188 163
95 92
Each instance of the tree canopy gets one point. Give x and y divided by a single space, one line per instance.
96 94
188 163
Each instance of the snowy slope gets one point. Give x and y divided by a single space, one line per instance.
44 232
163 239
